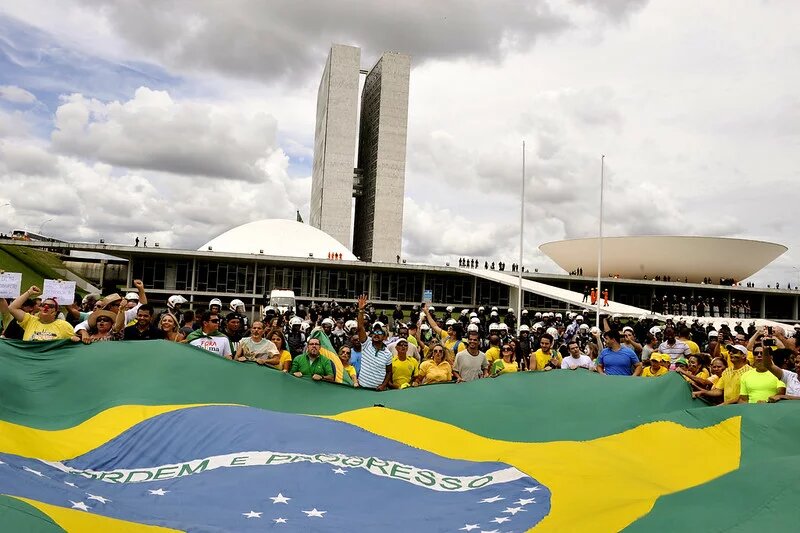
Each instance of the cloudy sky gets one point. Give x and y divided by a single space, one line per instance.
181 119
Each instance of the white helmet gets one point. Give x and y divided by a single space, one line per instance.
473 314
306 326
132 296
449 308
570 315
431 309
237 305
176 300
493 313
553 332
350 324
524 311
328 321
797 326
579 317
504 326
713 333
465 312
558 316
524 327
594 330
296 321
537 314
215 301
472 327
481 309
450 322
655 330
510 310
494 326
474 320
583 327
494 308
424 327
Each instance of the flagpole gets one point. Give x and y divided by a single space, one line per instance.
600 241
521 233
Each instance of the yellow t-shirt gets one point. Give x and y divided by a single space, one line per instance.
433 373
693 347
450 343
542 358
286 357
492 355
759 386
648 372
501 367
36 331
350 369
403 371
729 382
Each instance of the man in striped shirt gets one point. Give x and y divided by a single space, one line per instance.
376 359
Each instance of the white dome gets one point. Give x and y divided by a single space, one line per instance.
286 238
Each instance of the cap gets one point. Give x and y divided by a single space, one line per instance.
656 356
627 328
681 360
737 347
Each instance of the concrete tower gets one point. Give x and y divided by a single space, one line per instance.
335 143
378 229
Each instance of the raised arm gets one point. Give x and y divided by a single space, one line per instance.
362 332
140 289
434 326
15 308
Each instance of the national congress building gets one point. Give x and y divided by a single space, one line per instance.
374 140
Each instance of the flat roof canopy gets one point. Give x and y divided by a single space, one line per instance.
675 256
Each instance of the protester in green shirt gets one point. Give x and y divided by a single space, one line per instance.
312 364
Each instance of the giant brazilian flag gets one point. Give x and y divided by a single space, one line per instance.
155 436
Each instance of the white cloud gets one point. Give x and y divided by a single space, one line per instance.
17 95
152 131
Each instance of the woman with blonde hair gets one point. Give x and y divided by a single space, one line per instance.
169 325
435 370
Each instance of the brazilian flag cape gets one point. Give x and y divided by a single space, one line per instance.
156 436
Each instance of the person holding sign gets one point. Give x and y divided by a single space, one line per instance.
44 327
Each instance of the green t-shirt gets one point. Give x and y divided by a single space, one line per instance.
321 365
759 386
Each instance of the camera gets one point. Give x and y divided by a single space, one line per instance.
768 342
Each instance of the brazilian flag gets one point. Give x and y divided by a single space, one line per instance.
157 436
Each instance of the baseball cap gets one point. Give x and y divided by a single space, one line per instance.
737 347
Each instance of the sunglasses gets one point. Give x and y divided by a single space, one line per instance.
345 352
438 351
47 306
214 320
104 319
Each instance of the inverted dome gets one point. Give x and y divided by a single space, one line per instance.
286 238
679 257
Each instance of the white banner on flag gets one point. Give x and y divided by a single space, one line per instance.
10 283
62 291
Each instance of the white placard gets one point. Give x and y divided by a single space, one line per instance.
10 283
62 291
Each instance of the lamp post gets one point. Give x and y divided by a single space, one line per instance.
600 240
521 233
42 225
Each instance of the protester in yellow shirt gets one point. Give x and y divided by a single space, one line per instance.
759 384
656 367
46 326
493 352
344 357
451 338
436 370
404 368
545 358
727 386
506 364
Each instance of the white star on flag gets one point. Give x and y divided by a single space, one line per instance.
492 499
514 510
158 492
2 463
314 512
279 520
338 471
98 498
492 531
532 489
500 519
525 501
280 498
71 484
252 514
468 527
79 505
32 471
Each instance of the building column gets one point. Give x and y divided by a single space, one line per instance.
193 286
763 310
796 311
514 296
103 265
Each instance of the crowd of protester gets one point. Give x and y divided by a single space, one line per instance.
732 364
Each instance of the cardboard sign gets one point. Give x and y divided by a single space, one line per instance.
10 283
62 291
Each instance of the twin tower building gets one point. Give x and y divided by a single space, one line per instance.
360 152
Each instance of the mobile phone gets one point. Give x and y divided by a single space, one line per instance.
769 330
768 342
